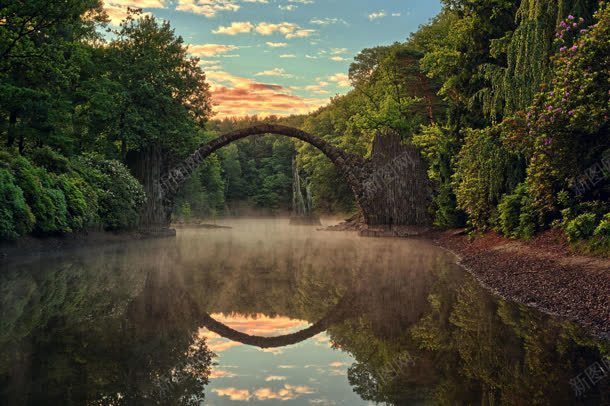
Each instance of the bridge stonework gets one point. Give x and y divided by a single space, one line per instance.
371 180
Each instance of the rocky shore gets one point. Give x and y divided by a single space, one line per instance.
541 273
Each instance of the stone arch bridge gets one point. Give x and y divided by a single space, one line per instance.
391 187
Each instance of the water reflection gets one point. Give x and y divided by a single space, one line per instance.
257 313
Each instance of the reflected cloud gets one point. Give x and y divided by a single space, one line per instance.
234 393
221 373
275 378
288 392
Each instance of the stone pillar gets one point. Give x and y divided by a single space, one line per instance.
396 189
147 166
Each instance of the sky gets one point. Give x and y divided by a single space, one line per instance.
281 56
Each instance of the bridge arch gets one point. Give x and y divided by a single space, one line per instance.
161 199
349 306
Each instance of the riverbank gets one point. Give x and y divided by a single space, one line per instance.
541 273
29 245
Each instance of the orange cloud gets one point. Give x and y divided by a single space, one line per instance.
117 9
219 373
234 393
235 96
208 50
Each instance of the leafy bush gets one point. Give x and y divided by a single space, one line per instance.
516 217
82 211
484 171
582 227
16 218
567 127
48 204
50 160
603 228
438 147
120 194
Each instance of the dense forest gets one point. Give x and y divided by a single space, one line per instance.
507 101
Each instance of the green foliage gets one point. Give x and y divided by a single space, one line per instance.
203 195
48 203
603 228
582 227
120 195
16 218
485 170
439 148
516 218
566 128
50 160
82 211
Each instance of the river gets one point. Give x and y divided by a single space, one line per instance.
270 313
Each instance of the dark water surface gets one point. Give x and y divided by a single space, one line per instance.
268 313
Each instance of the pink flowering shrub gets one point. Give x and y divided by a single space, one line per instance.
566 130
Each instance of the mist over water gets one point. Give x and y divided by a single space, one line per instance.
266 312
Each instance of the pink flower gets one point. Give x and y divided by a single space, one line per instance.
574 48
562 49
570 17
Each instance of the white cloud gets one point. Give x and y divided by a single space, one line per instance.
338 51
284 56
276 44
327 21
318 88
275 378
208 8
235 28
338 58
341 79
275 72
376 15
288 30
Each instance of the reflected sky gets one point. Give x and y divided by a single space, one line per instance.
308 373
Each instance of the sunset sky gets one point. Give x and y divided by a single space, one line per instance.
281 56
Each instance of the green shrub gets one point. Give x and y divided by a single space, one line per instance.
16 218
516 216
581 227
120 194
48 204
82 210
485 170
603 228
49 159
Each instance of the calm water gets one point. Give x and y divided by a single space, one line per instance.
267 313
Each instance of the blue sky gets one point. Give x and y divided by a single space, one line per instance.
281 56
